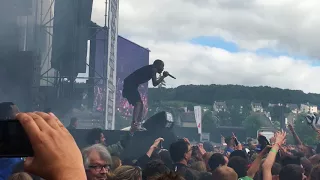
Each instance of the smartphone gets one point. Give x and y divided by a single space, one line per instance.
14 142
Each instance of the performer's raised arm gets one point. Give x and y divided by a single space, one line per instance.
155 81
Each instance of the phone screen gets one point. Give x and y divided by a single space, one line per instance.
14 142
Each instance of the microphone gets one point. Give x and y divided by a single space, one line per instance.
171 76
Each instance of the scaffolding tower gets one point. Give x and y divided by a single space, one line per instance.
44 74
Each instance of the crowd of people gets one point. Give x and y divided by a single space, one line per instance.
58 157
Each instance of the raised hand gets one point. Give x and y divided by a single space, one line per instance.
201 149
156 143
280 137
186 140
56 154
165 74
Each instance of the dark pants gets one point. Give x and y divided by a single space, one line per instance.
132 94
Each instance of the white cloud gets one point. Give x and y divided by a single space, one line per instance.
195 64
166 26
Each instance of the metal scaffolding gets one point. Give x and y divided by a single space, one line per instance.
44 74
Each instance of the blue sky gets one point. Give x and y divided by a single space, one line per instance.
233 48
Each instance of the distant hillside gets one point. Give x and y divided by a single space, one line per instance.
234 94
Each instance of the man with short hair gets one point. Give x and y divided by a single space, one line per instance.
230 146
73 123
97 162
132 83
180 152
96 136
292 172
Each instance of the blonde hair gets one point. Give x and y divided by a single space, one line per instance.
127 173
20 176
116 162
199 166
224 173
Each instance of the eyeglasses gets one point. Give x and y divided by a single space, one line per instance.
100 167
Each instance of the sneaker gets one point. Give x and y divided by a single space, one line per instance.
137 127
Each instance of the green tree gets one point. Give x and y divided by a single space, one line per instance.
209 123
207 94
276 124
252 124
305 131
238 114
224 118
278 112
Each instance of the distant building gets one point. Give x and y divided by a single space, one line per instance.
188 120
185 109
291 118
308 108
273 105
219 106
256 107
205 109
294 108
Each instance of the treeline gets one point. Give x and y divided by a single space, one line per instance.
233 94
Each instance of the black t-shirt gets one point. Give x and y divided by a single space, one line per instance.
139 76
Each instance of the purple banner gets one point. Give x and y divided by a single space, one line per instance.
130 57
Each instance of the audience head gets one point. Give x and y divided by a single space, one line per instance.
20 176
199 166
229 141
286 160
127 173
208 146
196 154
74 122
180 151
116 162
307 166
240 166
154 168
97 161
291 172
239 153
167 176
315 160
165 157
95 136
224 173
216 160
315 173
275 171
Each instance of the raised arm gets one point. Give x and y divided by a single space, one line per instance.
155 81
268 163
296 137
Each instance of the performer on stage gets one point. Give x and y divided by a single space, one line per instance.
131 84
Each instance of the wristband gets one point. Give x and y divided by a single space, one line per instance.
274 151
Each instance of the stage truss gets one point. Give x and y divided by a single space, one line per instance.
44 74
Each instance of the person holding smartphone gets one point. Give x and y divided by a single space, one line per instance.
230 146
